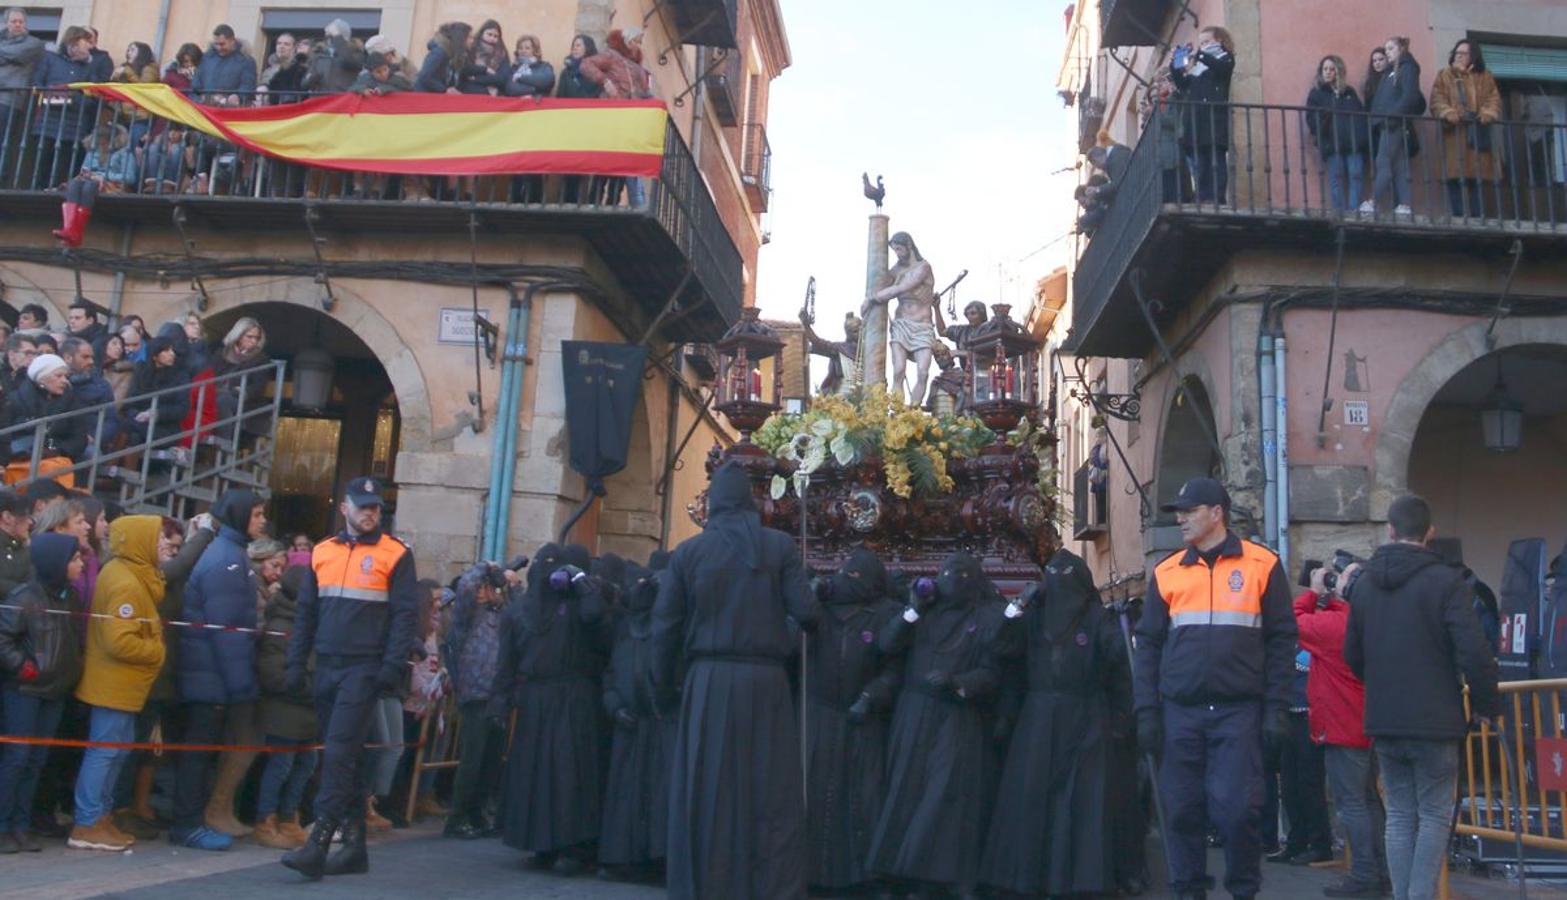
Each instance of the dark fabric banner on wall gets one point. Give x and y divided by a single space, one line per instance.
603 383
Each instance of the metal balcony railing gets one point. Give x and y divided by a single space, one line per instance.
54 135
756 166
166 469
708 23
724 85
1274 171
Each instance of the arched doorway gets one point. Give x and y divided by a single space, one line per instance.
1187 450
357 431
1482 498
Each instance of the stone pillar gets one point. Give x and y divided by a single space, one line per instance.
873 352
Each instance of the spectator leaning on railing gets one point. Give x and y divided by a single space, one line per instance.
20 54
47 392
447 56
64 117
335 60
1398 97
226 71
159 371
1337 121
180 73
1465 97
91 389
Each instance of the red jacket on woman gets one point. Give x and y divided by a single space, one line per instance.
1336 697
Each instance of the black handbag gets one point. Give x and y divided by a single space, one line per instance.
1476 134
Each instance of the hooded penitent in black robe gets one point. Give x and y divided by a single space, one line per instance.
940 771
850 689
1051 831
552 649
736 813
636 800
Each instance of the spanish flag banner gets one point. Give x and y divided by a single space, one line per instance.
428 134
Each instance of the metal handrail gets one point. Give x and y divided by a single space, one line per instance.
156 439
1275 168
43 147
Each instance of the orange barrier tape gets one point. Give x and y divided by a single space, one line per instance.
189 748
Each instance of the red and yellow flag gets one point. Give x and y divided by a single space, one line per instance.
428 134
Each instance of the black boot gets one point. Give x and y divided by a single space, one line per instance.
352 858
310 860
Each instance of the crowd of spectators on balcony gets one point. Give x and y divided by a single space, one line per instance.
1365 140
122 148
70 395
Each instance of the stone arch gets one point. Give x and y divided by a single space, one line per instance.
1396 436
1192 368
353 312
21 290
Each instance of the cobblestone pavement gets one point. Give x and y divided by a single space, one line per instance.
418 863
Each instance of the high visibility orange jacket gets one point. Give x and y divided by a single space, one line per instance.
1217 633
359 601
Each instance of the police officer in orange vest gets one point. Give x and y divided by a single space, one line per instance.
358 611
1215 658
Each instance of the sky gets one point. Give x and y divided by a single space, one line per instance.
955 105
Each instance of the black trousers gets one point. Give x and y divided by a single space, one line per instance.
477 762
203 725
1303 782
346 695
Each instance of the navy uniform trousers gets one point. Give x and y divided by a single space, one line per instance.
345 695
1212 773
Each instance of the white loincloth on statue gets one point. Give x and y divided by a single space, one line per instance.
912 336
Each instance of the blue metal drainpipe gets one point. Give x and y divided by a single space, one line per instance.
497 509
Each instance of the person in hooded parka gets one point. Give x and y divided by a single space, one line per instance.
850 688
552 646
1051 832
939 764
636 799
737 805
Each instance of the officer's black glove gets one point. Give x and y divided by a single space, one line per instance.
295 680
391 678
1150 731
939 680
861 709
625 719
1275 732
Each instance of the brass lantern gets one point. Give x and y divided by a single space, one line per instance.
750 359
1003 365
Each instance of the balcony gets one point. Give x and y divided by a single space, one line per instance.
1132 23
647 246
1280 197
724 84
756 166
705 23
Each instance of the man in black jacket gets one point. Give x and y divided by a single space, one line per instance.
1412 632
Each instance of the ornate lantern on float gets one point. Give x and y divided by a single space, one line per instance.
750 356
1003 365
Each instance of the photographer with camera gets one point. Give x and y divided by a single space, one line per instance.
1337 719
473 647
1412 632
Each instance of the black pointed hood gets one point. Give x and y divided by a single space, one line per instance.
860 581
732 515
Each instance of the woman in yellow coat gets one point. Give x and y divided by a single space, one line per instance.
124 653
1466 99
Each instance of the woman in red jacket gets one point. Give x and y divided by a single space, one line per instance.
1338 711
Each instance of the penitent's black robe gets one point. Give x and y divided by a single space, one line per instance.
847 758
941 774
636 797
737 817
1052 830
552 649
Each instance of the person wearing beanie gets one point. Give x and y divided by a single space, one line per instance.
45 392
216 677
40 655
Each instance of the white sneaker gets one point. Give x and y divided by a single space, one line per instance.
1402 210
1368 208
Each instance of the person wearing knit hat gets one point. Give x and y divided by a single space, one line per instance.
45 392
42 367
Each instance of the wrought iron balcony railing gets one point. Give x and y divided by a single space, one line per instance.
47 137
756 166
1271 170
